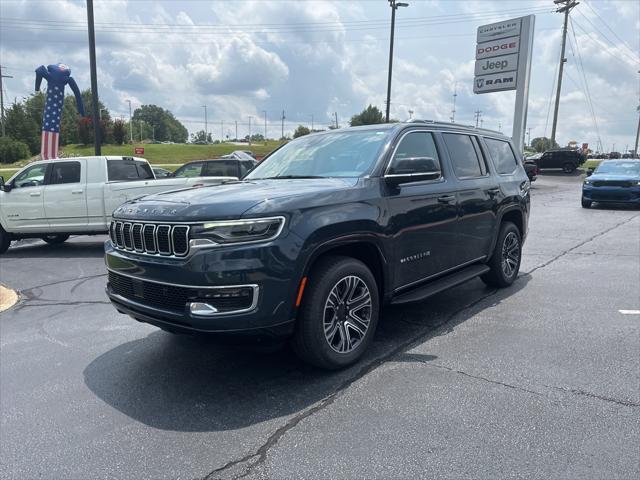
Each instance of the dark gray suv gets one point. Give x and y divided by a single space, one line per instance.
319 235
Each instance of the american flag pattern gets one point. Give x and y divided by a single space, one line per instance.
51 122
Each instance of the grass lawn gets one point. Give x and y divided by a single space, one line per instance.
592 163
167 156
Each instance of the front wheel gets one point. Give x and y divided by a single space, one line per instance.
586 203
339 313
5 240
55 239
505 260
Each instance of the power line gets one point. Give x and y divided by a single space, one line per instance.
602 20
604 48
611 42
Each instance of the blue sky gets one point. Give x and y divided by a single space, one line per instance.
242 58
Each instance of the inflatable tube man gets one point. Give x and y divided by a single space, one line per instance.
57 77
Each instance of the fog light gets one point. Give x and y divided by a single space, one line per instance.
203 309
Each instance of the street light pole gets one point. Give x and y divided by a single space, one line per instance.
94 78
206 132
394 6
265 125
250 117
130 124
2 98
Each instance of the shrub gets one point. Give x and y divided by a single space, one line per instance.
12 150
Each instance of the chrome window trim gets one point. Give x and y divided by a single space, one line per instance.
253 286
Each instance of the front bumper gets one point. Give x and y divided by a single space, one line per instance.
611 194
268 270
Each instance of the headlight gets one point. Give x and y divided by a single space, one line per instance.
587 182
237 231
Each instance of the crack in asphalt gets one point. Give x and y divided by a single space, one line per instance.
58 282
584 393
584 242
260 455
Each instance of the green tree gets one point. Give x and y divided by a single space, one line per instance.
167 127
201 136
369 116
542 144
22 127
119 132
12 150
301 131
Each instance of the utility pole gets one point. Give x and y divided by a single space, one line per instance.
410 115
336 115
529 136
94 79
635 148
265 125
478 114
567 6
455 95
282 124
206 126
153 132
250 117
394 6
222 130
130 124
312 123
2 98
500 127
236 130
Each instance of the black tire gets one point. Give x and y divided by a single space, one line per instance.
500 275
55 239
339 278
5 240
568 167
586 203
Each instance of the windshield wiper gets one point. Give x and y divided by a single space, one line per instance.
288 177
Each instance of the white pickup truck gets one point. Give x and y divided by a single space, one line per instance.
53 199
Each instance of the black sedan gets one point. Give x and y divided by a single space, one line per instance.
613 181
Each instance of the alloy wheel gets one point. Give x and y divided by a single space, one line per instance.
510 254
347 314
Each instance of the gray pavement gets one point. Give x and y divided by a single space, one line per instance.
540 380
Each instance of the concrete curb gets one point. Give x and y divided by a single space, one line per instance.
8 298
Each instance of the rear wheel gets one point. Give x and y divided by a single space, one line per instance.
568 167
5 240
586 203
55 239
505 260
339 313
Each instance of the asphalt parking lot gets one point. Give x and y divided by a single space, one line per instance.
539 380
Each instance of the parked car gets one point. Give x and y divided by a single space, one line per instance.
531 168
53 199
322 233
161 172
567 159
613 181
224 166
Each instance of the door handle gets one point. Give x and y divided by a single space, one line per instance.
493 191
34 194
446 198
77 191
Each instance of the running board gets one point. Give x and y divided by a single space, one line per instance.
440 285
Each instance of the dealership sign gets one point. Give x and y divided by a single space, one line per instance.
503 62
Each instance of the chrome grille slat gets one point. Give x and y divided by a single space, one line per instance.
150 239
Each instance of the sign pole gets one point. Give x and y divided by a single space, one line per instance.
524 74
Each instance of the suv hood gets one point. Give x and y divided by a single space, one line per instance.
229 200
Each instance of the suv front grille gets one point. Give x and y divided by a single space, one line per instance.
612 183
175 298
149 238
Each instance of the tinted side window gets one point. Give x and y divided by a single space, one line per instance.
128 170
464 157
31 177
416 153
65 172
221 168
245 167
502 155
191 170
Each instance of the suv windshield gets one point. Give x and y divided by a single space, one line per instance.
336 154
619 168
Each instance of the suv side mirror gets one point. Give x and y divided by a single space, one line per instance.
589 172
413 169
5 187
